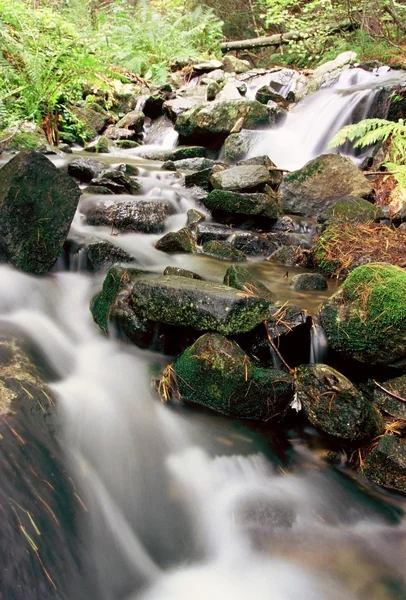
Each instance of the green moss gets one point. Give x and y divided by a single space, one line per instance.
311 168
353 210
366 318
223 251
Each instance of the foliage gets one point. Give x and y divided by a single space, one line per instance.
371 131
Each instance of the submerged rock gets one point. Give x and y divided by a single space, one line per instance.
217 374
366 318
334 405
386 464
309 281
240 278
320 183
37 205
128 215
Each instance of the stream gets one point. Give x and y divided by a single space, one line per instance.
177 503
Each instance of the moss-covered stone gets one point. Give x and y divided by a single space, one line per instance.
37 204
194 217
366 317
223 250
102 146
218 118
386 464
287 255
177 241
235 203
93 120
320 183
309 281
127 144
197 304
217 374
387 402
133 120
181 273
101 254
240 278
353 210
334 405
237 145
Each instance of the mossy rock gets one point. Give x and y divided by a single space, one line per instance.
194 217
37 205
127 144
386 464
218 118
102 146
366 318
237 145
182 273
289 256
310 191
216 373
93 120
309 281
251 205
177 241
223 250
387 402
101 254
240 278
352 210
334 405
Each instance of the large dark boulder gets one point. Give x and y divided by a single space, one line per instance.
217 374
366 318
310 191
37 205
334 405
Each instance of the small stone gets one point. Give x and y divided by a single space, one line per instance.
309 281
177 241
181 273
240 278
223 250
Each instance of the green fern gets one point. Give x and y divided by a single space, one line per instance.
371 131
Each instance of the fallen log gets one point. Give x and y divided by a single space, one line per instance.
279 39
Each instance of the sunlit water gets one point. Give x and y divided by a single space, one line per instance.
182 504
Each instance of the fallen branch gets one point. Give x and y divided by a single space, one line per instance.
389 392
279 355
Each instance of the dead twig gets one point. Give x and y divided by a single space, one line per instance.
389 392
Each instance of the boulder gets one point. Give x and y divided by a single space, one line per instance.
101 254
97 190
85 169
127 144
240 278
334 405
232 64
365 319
189 164
320 183
245 205
309 281
387 402
218 119
181 273
289 256
386 464
180 153
237 145
93 120
115 133
223 251
351 210
205 66
266 93
174 108
37 205
118 182
133 120
275 175
205 232
253 244
194 217
245 177
177 241
101 146
128 215
216 373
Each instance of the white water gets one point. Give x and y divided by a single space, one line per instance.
311 125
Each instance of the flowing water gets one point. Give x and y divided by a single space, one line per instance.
176 503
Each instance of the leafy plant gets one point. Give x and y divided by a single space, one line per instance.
371 131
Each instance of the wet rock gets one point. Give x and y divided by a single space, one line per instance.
334 405
240 278
181 273
200 179
266 93
177 106
386 464
189 164
229 92
118 182
216 373
246 177
94 121
133 120
288 238
37 205
320 183
116 133
101 254
197 304
246 205
85 169
275 174
309 281
213 88
194 217
101 146
181 153
289 256
128 215
365 318
387 402
237 145
97 189
177 241
353 210
232 64
253 244
223 250
216 120
206 232
127 144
